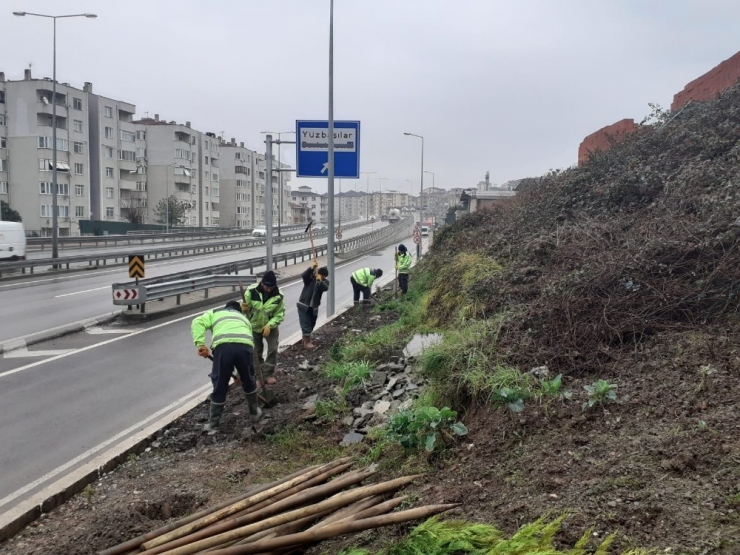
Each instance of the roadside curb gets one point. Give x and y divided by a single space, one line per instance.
53 333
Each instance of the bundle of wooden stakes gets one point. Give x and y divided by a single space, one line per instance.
285 516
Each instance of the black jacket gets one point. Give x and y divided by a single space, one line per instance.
312 290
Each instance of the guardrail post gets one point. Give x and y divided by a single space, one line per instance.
206 292
178 300
143 308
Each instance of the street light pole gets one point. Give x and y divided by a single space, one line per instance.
330 237
280 165
268 201
54 184
432 177
367 193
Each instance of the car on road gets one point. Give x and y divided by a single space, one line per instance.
319 227
12 241
260 231
424 231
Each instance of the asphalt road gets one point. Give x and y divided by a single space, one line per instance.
41 303
77 392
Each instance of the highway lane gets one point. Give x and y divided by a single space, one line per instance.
41 303
59 407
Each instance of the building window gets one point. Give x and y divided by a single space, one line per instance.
108 150
109 172
128 136
77 125
141 152
108 212
241 183
3 187
206 206
77 103
182 153
206 191
79 211
108 132
79 190
206 162
207 175
205 143
3 142
141 185
215 221
46 142
79 169
109 192
2 119
214 176
214 191
78 148
108 112
206 220
141 135
129 155
47 211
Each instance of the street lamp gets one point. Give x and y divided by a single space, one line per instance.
425 171
367 192
54 186
280 194
421 189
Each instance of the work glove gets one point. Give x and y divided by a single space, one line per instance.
318 278
266 331
315 264
396 266
204 351
246 309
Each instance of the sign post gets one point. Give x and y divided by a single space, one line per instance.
136 267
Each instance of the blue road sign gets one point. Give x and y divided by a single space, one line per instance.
312 149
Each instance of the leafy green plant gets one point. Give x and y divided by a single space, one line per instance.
331 409
511 397
89 492
351 374
554 388
600 392
425 427
705 371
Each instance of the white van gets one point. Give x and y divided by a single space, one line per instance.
424 231
12 241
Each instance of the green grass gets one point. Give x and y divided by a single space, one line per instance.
332 409
439 537
351 374
304 446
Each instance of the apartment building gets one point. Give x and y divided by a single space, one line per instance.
26 153
317 205
351 205
243 188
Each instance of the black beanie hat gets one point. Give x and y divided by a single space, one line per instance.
402 248
234 305
269 279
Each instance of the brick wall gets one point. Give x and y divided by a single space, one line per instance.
601 139
710 84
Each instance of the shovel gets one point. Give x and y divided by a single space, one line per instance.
268 397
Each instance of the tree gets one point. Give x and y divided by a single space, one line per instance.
451 215
133 210
8 214
171 208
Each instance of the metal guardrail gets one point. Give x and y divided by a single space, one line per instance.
138 293
376 239
118 258
134 238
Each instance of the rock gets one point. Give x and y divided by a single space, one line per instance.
391 384
540 371
399 393
378 419
348 420
394 406
381 407
612 503
411 387
363 413
406 405
368 405
304 364
381 367
310 403
379 378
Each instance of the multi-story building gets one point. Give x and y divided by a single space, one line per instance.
26 153
316 204
351 205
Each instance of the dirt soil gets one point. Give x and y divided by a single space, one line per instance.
661 466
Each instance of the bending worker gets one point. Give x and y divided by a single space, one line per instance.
315 284
264 304
403 265
231 341
362 280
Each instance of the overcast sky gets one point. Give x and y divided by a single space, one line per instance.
510 86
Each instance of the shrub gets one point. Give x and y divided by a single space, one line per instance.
425 426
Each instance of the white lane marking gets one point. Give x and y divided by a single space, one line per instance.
95 330
80 292
23 352
101 446
102 343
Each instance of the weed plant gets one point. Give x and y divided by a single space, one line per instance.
351 374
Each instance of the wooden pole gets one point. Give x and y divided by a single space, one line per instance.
136 542
338 529
336 502
239 505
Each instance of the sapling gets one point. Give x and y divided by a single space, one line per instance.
600 392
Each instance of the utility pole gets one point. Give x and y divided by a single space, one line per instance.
268 201
421 190
330 237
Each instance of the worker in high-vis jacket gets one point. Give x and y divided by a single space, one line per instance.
264 304
315 284
232 346
362 281
403 265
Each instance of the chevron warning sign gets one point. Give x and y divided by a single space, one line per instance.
136 266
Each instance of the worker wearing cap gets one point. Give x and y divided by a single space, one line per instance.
264 304
315 284
232 344
403 265
362 281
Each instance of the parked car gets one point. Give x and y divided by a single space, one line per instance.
12 241
260 231
424 231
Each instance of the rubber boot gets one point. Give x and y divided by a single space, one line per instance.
307 343
255 412
214 419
